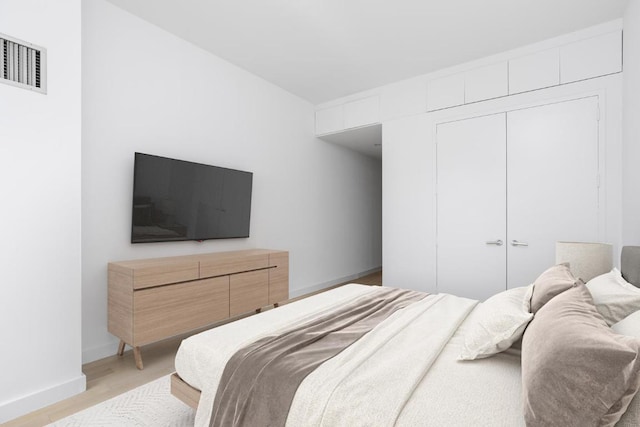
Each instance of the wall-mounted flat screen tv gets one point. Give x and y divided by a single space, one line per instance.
179 200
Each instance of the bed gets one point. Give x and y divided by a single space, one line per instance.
406 370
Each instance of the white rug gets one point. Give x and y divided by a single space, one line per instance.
149 405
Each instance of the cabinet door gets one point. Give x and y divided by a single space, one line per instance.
445 92
552 183
535 71
278 277
362 112
597 56
486 82
169 310
330 120
248 291
403 99
471 206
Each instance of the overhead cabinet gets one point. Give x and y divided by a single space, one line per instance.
597 56
491 81
584 59
509 186
329 120
403 99
353 114
535 71
487 82
445 92
362 112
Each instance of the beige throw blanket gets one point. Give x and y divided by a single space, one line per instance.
259 382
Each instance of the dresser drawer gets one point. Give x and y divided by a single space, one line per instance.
218 266
173 309
165 272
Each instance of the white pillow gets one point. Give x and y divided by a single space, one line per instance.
614 297
629 326
499 322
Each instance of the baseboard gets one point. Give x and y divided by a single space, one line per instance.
294 293
29 403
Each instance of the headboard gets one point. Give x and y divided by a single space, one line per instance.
630 264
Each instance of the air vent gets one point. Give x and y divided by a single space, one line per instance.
23 64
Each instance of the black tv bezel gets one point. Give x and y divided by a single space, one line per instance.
184 239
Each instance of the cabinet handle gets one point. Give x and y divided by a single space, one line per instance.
494 242
516 243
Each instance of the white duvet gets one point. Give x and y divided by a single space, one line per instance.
404 372
371 381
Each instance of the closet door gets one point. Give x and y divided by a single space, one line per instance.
471 206
552 183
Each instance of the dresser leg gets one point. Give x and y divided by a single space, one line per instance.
276 305
258 310
121 348
138 357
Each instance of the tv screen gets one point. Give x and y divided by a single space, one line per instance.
179 200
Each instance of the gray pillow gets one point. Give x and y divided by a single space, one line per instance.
550 283
575 370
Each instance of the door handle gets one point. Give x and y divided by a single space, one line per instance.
494 242
516 243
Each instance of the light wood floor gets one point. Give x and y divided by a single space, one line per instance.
114 375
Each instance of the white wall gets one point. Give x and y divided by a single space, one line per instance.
146 90
631 125
40 361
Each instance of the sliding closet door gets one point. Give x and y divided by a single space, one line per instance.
471 206
552 183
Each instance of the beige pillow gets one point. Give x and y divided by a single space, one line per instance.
575 370
497 323
631 417
552 282
630 326
614 297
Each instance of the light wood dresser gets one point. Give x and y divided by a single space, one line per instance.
153 299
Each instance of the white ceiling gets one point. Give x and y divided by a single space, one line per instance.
325 49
